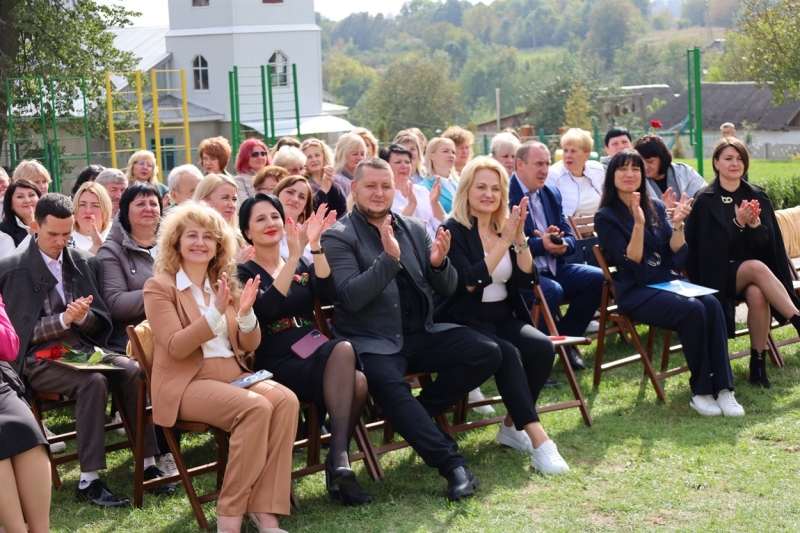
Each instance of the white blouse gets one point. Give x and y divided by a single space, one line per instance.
424 211
84 242
497 292
219 346
7 246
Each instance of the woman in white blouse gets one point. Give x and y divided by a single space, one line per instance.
93 208
19 204
440 160
579 180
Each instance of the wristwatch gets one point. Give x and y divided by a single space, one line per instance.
318 252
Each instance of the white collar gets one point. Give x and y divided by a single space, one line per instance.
182 282
47 259
21 224
525 190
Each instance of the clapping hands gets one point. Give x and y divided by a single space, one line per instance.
748 212
682 209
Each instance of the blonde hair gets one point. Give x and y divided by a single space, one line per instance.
346 143
172 227
139 156
269 171
327 155
209 184
433 145
30 169
459 135
287 156
579 138
369 140
287 182
503 141
106 208
406 136
462 212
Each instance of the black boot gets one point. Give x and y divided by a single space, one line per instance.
348 492
795 321
758 368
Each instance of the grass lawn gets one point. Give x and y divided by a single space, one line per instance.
760 169
644 466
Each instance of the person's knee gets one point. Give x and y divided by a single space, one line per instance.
94 382
755 298
488 355
361 384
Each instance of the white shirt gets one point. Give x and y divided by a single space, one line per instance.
219 346
55 266
84 242
571 192
7 242
589 198
497 292
285 251
423 211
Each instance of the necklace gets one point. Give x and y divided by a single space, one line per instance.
726 199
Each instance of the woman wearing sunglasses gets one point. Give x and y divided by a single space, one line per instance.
252 157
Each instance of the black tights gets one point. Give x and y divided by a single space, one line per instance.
344 392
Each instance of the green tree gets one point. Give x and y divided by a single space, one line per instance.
694 11
347 78
451 11
53 38
578 108
612 24
416 90
487 69
365 31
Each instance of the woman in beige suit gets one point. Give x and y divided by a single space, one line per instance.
202 322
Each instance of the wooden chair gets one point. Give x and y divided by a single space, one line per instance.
582 227
184 475
43 401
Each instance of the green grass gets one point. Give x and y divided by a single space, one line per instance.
760 169
644 466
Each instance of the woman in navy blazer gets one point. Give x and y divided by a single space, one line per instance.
647 247
491 255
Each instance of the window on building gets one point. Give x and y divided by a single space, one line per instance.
279 69
200 71
199 3
169 156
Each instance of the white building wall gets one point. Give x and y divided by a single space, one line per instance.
183 15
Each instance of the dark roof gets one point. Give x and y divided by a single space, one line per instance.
171 109
733 102
651 92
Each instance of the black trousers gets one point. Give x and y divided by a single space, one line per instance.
528 356
700 323
462 359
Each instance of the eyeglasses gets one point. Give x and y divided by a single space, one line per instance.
295 171
143 163
258 154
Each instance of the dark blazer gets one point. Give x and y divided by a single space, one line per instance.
553 214
466 254
25 280
658 260
367 303
708 235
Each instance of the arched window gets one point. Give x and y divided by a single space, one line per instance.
200 72
279 69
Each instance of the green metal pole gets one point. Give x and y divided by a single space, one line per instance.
597 144
233 112
56 163
271 109
238 106
541 136
698 114
296 98
485 144
12 145
264 97
47 163
86 121
689 95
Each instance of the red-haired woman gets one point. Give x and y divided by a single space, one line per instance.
252 157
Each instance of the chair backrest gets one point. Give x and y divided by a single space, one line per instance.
323 311
137 351
601 260
582 227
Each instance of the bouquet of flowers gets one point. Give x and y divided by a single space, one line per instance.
70 355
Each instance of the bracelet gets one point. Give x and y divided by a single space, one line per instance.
736 223
678 229
519 248
318 252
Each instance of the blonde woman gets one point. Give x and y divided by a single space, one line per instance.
410 142
350 151
292 159
92 207
33 171
220 192
440 160
504 150
579 180
463 139
142 167
490 252
329 188
202 323
369 140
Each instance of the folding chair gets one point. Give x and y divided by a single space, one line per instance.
144 416
582 227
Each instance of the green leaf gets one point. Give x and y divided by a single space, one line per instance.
96 357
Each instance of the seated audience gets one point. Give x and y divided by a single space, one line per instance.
142 167
666 180
60 288
350 151
551 239
92 208
220 192
128 256
463 140
439 160
736 247
33 171
410 142
268 178
386 269
579 180
330 376
413 200
284 141
86 174
617 139
369 140
115 183
183 181
202 322
295 196
329 188
215 154
504 150
24 463
5 181
252 157
19 204
491 255
648 247
292 159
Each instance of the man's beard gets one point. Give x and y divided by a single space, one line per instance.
371 213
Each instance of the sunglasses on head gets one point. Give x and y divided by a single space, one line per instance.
258 154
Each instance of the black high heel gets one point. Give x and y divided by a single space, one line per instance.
340 475
758 368
349 493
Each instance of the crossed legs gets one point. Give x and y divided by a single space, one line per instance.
26 492
761 290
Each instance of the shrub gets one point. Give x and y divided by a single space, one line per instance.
784 191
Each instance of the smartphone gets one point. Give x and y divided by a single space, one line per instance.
305 347
555 239
246 381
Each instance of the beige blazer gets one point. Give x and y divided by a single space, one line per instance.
179 330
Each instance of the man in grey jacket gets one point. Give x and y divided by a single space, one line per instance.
386 269
666 180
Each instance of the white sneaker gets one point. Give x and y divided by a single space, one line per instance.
117 419
547 460
705 405
728 404
56 447
593 327
167 464
476 395
509 436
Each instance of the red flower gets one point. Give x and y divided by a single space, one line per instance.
655 124
54 352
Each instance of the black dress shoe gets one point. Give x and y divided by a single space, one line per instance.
153 472
552 383
99 494
350 493
461 483
340 474
575 360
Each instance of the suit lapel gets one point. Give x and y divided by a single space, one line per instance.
715 202
188 305
233 330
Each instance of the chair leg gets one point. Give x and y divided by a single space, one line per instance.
774 352
665 350
138 448
295 501
648 367
364 444
573 383
601 339
188 486
314 434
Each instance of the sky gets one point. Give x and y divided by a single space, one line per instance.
155 12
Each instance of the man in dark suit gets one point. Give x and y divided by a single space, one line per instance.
54 297
581 284
386 269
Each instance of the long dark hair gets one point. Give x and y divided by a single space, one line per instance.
611 197
22 183
86 174
131 193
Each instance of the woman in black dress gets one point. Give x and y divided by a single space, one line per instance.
285 309
736 247
24 464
